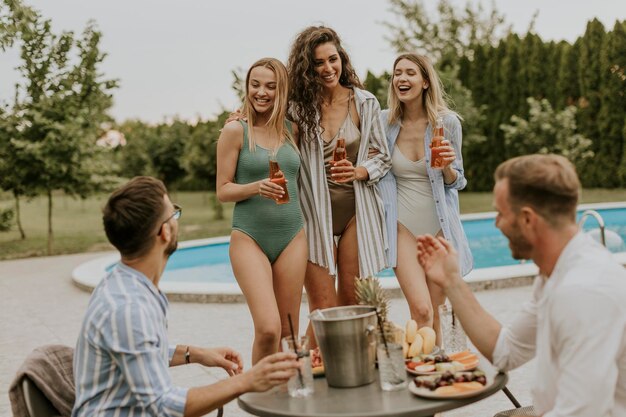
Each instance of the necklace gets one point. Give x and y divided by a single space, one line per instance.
328 103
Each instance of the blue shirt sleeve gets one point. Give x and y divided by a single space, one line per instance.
454 134
136 346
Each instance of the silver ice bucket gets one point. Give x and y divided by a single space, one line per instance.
346 337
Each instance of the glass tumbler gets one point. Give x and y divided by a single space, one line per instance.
391 367
301 384
453 335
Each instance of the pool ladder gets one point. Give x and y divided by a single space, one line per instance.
598 218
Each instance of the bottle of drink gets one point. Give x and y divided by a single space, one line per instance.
436 160
339 153
277 177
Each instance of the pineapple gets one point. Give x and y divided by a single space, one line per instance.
369 292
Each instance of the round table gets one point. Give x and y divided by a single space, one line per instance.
365 401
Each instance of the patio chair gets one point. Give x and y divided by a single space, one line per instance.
36 402
521 412
44 383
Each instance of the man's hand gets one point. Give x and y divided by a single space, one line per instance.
439 260
270 371
222 357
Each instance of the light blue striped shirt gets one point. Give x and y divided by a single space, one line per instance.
446 195
122 354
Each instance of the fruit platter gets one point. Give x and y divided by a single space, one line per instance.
437 364
449 385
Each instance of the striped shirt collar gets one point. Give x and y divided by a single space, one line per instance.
146 282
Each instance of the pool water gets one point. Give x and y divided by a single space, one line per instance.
210 263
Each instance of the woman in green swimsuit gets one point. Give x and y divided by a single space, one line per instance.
268 247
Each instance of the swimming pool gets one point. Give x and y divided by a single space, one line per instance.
204 265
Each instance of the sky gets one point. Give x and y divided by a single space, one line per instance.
174 58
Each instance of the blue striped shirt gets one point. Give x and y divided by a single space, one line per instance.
122 354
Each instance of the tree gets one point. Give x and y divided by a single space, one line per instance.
448 36
200 158
15 19
612 114
134 158
58 111
379 86
167 150
14 164
546 131
568 90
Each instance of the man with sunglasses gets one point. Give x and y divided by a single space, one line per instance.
122 353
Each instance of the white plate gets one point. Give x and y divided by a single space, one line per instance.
426 393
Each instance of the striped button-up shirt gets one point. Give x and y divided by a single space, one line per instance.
122 354
315 199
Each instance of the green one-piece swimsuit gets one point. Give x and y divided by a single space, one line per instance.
271 225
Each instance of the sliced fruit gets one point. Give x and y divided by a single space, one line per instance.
416 345
318 370
469 365
466 358
424 368
447 390
468 386
411 330
455 356
445 366
405 349
429 336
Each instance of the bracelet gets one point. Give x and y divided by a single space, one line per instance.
187 356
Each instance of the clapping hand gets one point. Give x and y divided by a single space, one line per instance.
439 260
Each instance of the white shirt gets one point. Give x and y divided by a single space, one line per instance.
576 323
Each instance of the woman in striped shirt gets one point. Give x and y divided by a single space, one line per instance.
343 210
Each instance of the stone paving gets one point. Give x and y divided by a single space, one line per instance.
40 305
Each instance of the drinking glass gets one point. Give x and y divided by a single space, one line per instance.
301 384
453 335
391 370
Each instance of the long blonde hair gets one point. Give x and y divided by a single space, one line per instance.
434 98
276 121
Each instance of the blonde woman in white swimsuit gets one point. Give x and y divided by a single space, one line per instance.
419 199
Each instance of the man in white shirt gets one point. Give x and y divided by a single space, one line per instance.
575 323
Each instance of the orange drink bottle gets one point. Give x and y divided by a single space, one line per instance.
436 160
277 177
339 153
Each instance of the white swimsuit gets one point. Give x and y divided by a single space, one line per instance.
416 205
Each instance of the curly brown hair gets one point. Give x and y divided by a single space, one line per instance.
305 86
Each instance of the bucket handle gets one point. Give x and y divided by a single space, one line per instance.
370 329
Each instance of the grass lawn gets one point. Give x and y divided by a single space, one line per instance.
77 224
